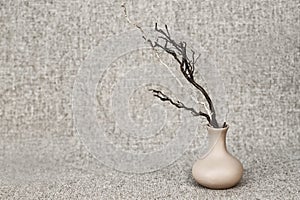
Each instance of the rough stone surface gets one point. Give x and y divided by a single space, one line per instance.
255 44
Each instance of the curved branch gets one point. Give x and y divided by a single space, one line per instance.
187 66
178 104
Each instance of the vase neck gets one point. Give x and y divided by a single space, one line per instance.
217 138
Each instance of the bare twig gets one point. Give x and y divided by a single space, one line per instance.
187 66
178 104
178 50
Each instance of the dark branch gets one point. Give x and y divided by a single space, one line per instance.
178 104
187 65
224 124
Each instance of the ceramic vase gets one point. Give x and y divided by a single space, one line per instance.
217 169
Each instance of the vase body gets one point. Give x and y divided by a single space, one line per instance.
217 169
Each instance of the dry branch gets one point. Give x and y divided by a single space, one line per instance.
178 104
178 50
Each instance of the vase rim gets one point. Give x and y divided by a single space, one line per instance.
217 129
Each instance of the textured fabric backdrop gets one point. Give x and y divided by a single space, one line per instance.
43 44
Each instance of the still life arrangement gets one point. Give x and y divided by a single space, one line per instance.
217 169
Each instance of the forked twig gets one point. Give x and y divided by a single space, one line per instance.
178 50
187 66
178 104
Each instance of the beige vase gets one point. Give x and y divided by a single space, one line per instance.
217 169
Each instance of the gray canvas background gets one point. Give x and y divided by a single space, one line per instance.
43 44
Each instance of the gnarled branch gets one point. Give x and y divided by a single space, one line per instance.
187 65
178 104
